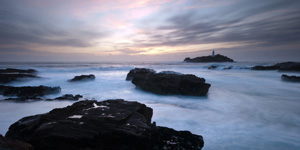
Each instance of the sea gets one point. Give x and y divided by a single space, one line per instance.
243 110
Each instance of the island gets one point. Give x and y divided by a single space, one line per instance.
211 58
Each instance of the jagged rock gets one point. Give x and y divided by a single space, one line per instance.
69 97
8 144
10 74
216 58
28 92
83 78
290 78
285 66
139 72
170 83
106 125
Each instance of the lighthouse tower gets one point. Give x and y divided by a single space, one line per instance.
213 53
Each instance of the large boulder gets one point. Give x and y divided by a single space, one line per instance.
8 75
169 82
203 59
139 72
9 144
106 125
28 92
290 78
83 78
285 66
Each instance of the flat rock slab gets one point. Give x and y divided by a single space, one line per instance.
106 125
25 92
10 74
285 66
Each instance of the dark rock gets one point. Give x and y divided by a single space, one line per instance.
69 97
28 92
8 144
139 72
288 66
6 78
216 58
83 78
285 66
107 125
15 71
290 78
265 68
10 74
227 68
172 84
212 67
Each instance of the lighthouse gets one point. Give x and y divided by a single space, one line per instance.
213 53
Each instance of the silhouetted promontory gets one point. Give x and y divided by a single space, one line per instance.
285 66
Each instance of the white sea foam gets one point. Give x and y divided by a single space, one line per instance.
244 109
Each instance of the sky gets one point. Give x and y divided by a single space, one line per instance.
149 30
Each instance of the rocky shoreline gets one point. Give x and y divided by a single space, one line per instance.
111 124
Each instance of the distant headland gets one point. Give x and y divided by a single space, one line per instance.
211 58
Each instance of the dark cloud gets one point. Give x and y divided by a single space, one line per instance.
19 26
240 22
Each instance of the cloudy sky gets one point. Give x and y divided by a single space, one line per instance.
148 30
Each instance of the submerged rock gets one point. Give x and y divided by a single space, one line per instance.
109 125
169 82
216 58
69 97
9 144
8 75
83 78
290 78
28 92
213 67
285 66
139 72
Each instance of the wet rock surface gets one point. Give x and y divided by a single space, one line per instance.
9 144
106 125
28 92
83 78
9 75
203 59
170 83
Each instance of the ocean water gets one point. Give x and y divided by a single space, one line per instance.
244 109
